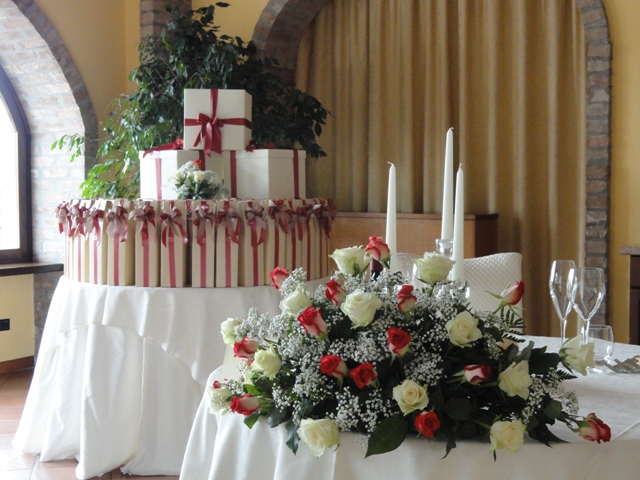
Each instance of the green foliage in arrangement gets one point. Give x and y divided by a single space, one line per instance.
189 53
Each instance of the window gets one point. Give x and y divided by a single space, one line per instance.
15 181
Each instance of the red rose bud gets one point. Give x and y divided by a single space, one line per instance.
594 429
426 423
279 275
475 374
364 374
245 405
513 294
334 292
406 299
312 321
398 341
245 349
333 366
377 249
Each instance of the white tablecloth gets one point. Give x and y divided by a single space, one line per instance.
224 448
121 371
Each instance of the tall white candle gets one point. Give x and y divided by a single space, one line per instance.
458 229
447 195
390 234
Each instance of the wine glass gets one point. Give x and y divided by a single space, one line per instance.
586 291
558 287
602 338
405 266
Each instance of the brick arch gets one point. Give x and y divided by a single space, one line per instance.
283 22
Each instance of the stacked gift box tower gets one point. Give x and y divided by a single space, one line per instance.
160 241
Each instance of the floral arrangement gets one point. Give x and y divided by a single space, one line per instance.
190 182
376 356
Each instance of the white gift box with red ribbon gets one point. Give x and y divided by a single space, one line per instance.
120 244
79 255
311 260
65 227
158 166
277 216
174 243
98 241
325 216
203 243
252 243
216 120
228 228
265 173
295 246
145 214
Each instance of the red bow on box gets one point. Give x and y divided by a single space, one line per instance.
144 216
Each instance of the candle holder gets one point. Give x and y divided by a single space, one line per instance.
444 246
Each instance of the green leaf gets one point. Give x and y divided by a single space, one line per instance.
277 417
251 420
388 435
553 409
293 437
458 409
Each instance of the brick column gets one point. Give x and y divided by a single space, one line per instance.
153 16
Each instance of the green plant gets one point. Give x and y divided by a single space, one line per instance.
189 53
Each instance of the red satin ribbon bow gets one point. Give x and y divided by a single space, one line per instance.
173 219
79 216
117 222
144 216
227 215
257 223
327 216
201 215
279 212
93 223
210 126
64 219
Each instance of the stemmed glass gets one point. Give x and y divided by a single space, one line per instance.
558 287
602 338
586 290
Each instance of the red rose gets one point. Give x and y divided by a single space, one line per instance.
377 249
513 294
406 299
364 374
279 275
312 321
475 374
245 405
245 349
334 292
333 366
594 429
398 341
426 423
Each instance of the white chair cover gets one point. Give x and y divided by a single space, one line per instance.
492 273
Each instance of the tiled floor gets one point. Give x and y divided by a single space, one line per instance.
15 465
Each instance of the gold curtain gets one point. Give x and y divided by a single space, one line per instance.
509 76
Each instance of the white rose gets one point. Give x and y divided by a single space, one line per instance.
433 267
577 355
228 330
218 399
515 380
352 260
463 329
267 361
319 435
410 396
509 435
296 302
361 307
198 177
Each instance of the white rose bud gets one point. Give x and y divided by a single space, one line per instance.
509 435
463 329
433 267
319 435
296 302
268 362
352 260
577 355
361 307
410 396
515 380
228 330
